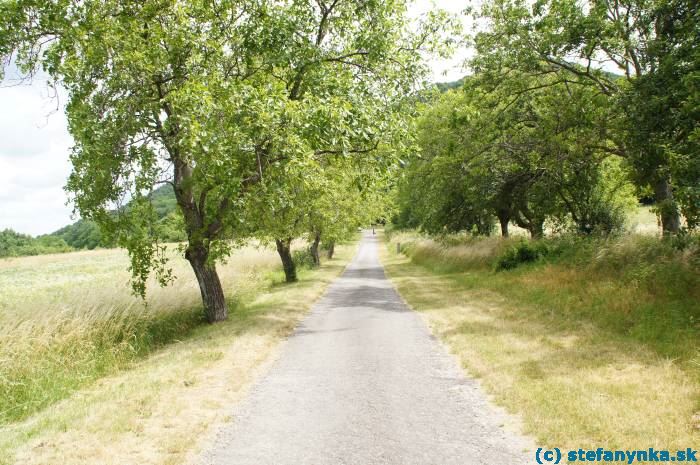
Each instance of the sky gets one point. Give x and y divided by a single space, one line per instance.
35 144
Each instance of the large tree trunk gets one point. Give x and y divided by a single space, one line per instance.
284 249
313 249
331 250
670 217
197 253
209 284
504 219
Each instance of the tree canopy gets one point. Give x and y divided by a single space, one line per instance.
653 44
492 150
223 100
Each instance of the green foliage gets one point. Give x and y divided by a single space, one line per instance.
14 244
303 259
522 252
445 86
228 102
606 198
436 192
172 228
686 242
163 201
83 234
662 106
654 114
540 133
86 234
523 150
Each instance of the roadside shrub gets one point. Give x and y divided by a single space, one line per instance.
522 252
389 229
303 259
642 286
686 242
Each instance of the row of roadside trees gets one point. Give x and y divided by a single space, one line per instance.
573 111
270 120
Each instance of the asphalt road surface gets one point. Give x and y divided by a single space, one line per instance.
361 382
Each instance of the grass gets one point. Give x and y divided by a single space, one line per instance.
107 381
596 345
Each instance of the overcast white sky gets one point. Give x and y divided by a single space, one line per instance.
35 144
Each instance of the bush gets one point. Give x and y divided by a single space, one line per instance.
303 259
522 252
686 242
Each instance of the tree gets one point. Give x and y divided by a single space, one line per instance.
438 193
14 244
573 41
352 196
86 234
325 200
352 69
207 96
663 107
521 149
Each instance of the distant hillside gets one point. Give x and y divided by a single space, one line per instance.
445 86
85 234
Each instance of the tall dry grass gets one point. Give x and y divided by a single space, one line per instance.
596 343
164 407
68 319
455 252
638 286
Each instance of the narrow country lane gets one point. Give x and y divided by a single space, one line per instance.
362 381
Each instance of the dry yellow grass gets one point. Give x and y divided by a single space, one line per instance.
572 384
40 288
67 319
158 410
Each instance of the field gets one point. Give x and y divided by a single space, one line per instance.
597 346
89 374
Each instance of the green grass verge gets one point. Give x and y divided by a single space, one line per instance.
594 344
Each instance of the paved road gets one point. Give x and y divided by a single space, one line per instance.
363 382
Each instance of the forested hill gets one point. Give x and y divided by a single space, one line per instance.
85 234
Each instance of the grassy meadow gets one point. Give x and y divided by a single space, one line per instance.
594 344
91 374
